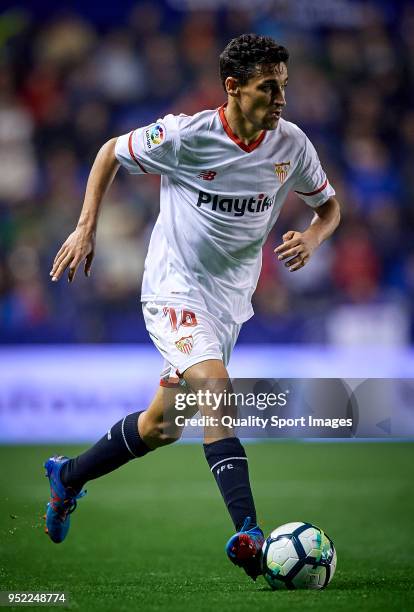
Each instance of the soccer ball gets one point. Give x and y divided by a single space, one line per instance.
298 556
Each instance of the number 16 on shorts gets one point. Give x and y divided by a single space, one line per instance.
186 318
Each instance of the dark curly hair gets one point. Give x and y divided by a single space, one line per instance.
244 54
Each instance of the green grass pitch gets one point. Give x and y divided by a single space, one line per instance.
151 535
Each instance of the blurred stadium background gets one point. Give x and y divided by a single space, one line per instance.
75 358
74 75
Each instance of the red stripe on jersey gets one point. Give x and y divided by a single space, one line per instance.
311 193
132 154
248 148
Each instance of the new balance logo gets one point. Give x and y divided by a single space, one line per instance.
207 175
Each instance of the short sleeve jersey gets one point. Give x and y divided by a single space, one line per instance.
219 200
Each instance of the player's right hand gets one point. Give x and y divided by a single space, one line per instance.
79 246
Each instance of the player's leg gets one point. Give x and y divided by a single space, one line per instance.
130 438
133 436
228 462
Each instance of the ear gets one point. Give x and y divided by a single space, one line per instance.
232 86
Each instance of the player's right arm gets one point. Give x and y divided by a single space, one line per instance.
152 149
80 244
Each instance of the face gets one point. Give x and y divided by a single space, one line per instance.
262 98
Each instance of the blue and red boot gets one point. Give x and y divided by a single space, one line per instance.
62 502
245 548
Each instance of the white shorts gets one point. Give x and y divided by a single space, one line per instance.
186 336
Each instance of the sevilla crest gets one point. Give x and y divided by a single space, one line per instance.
282 170
185 344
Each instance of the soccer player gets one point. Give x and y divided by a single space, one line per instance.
225 174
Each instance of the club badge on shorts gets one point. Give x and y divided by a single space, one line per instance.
185 344
282 170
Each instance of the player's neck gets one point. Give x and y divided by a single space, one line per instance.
239 125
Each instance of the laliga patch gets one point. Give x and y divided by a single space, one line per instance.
154 136
185 344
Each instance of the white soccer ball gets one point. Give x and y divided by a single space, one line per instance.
298 556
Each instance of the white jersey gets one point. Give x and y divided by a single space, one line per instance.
219 201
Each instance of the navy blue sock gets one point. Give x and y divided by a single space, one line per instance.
121 444
228 462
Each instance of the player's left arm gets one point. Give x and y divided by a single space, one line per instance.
297 247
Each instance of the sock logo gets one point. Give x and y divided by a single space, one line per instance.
109 434
228 466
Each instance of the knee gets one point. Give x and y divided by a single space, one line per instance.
158 433
209 374
165 436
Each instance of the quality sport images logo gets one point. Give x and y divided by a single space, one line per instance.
236 206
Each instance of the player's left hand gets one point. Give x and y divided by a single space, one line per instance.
297 248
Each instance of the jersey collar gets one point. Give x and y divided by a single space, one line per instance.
248 148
